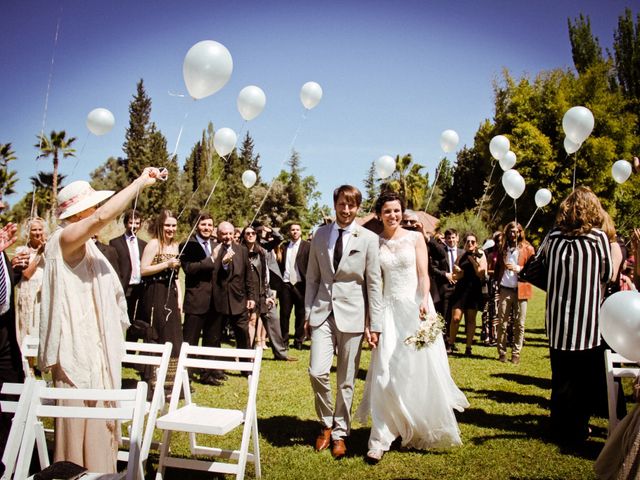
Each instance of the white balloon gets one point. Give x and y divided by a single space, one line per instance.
513 183
499 146
385 166
249 178
543 197
100 121
224 140
251 102
449 140
310 95
570 146
621 171
490 243
207 68
578 124
508 161
620 323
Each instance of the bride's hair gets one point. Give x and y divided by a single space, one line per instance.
388 196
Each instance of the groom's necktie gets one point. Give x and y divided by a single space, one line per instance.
337 250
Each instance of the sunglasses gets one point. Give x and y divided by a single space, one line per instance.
472 242
249 233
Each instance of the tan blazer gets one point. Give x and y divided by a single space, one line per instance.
354 292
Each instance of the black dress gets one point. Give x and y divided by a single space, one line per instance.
160 305
468 290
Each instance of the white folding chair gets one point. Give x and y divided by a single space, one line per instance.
195 419
29 350
129 405
20 409
154 355
615 368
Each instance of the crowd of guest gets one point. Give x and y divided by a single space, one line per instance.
251 281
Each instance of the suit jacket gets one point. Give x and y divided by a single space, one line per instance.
198 269
302 258
124 261
354 291
10 358
440 270
232 287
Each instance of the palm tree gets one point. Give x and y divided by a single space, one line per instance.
6 154
408 182
8 177
53 146
43 191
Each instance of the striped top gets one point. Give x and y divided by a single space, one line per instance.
578 268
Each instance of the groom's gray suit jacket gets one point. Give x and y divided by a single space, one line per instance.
354 292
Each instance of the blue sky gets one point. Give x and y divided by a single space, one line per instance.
395 74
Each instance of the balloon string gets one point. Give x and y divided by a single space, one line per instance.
50 79
33 202
575 166
293 141
532 215
500 203
486 188
175 150
433 187
84 144
515 211
174 94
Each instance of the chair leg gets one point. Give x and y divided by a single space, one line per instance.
256 448
164 452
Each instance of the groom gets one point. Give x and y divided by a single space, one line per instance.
343 302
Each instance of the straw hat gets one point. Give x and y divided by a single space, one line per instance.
77 197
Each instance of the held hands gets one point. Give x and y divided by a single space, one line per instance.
371 337
512 267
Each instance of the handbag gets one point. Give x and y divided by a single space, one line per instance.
535 271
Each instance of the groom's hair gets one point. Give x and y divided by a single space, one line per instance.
351 194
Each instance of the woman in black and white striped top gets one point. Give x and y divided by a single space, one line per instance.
579 265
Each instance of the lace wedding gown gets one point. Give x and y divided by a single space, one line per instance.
409 393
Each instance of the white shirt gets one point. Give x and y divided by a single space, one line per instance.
346 235
291 273
510 278
134 255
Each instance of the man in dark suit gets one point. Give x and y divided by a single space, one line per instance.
293 265
129 250
445 274
232 288
10 358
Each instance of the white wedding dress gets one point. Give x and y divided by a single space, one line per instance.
409 393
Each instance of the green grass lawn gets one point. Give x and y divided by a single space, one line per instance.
504 429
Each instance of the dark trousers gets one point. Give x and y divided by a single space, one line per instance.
578 387
208 324
445 307
133 294
10 372
292 298
239 324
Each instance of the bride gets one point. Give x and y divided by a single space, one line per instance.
409 393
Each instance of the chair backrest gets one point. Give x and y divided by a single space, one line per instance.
20 408
617 366
214 358
29 349
154 355
128 404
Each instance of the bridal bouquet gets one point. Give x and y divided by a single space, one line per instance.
428 331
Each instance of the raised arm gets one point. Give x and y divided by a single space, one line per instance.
75 234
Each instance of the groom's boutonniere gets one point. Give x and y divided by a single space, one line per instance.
356 232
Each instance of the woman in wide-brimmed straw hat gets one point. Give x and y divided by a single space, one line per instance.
84 313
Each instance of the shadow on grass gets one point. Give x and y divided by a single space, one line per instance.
513 397
544 383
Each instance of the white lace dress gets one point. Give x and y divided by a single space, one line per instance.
409 393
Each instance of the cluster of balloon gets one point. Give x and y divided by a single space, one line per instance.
310 95
621 171
620 323
251 102
224 140
499 146
513 183
449 140
508 161
543 197
249 178
577 124
100 121
207 68
385 166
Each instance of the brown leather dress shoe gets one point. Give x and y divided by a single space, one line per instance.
324 439
339 449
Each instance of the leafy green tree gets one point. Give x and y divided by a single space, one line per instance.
136 144
409 182
371 190
111 175
627 58
54 145
41 199
585 48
